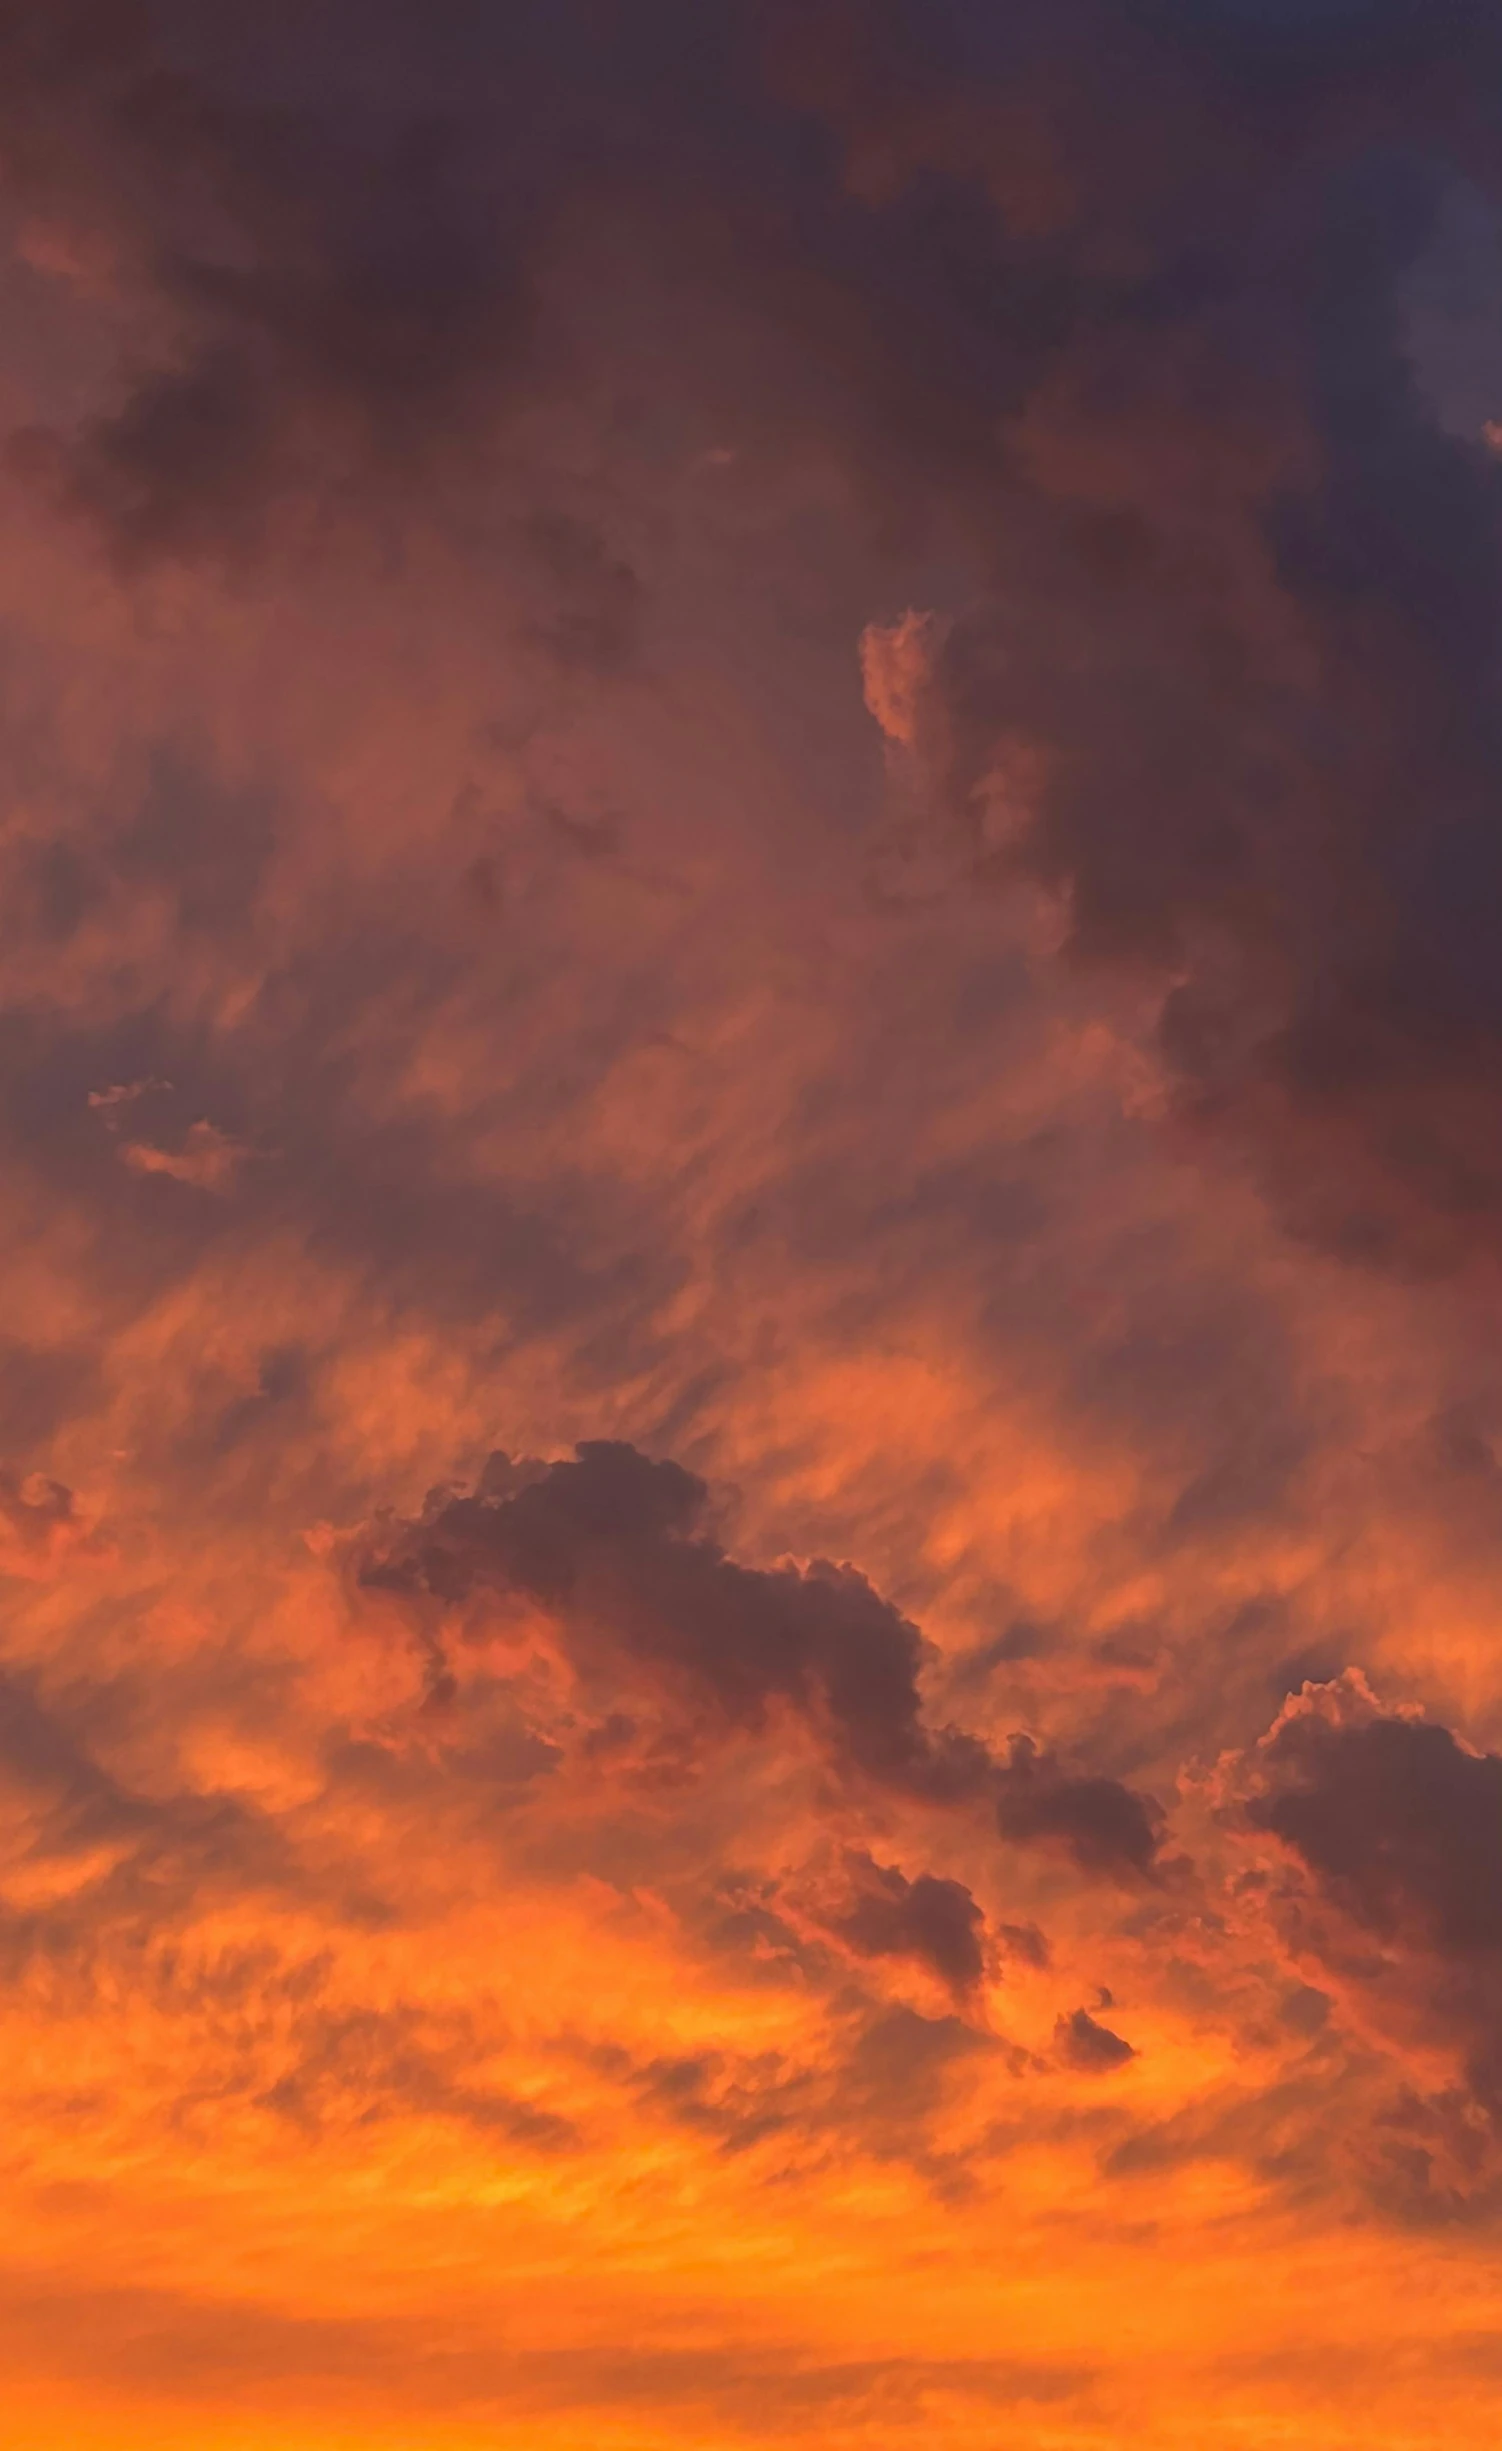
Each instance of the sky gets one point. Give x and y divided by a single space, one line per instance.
751 1225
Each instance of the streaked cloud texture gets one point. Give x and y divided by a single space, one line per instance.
750 1070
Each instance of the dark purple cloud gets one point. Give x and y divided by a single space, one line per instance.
1089 2048
1123 289
1397 1827
933 1921
613 1545
1398 1821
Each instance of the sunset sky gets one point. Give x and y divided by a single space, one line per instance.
751 1225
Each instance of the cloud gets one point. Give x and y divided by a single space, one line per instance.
40 1524
1397 1820
1217 671
1089 2048
896 666
151 2341
122 1093
208 1158
358 2065
612 1546
1245 588
335 289
92 1861
1395 1825
1102 1822
934 1921
509 514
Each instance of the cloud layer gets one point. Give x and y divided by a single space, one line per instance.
748 1081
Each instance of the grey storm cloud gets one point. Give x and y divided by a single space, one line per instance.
1125 289
1244 608
612 1544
